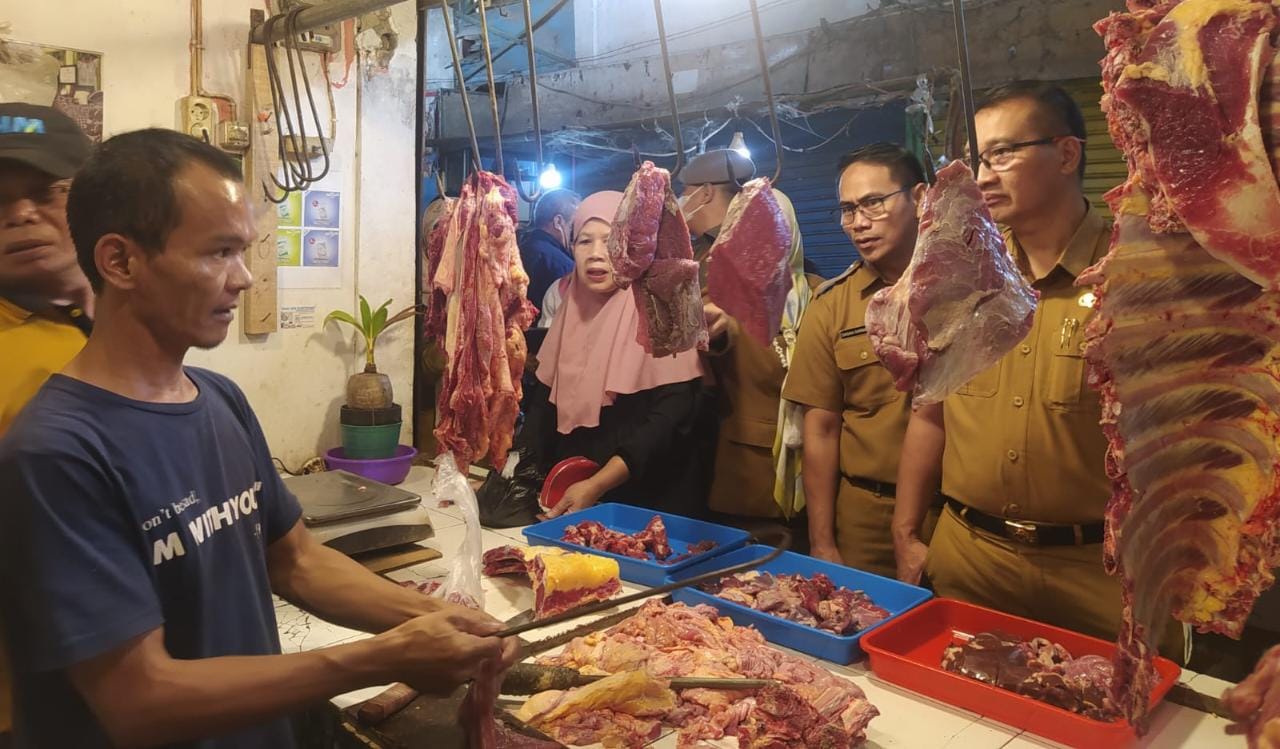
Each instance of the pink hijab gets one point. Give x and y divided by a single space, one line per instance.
590 355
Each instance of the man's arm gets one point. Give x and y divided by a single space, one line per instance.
143 697
919 477
336 588
821 476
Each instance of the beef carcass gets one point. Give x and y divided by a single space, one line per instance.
1184 353
960 305
1182 82
747 274
651 253
1255 702
478 271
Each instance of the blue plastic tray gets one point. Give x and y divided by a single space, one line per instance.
681 532
897 597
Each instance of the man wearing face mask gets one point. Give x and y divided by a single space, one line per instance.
544 249
744 416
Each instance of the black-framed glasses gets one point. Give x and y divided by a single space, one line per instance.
872 208
1003 158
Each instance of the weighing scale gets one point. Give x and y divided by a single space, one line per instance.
354 514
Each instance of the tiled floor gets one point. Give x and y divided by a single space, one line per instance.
906 719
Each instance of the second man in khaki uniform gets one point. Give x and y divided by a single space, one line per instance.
855 419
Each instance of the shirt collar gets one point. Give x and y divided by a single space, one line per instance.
13 310
864 277
1079 253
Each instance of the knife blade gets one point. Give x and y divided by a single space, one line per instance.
529 678
1181 694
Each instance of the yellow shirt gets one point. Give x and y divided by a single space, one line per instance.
32 347
1023 440
836 369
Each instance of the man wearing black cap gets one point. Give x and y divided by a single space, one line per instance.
45 300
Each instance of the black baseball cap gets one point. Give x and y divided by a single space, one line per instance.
44 138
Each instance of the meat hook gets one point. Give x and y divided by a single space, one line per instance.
671 89
768 91
493 89
537 121
462 86
966 84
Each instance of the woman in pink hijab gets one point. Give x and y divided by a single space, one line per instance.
602 397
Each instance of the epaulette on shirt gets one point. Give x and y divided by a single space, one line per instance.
831 283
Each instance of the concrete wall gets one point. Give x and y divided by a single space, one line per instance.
294 378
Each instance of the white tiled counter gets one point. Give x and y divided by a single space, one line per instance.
906 719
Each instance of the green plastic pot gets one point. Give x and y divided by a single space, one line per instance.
370 442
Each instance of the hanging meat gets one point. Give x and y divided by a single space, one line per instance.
652 254
1255 702
1182 82
479 309
960 306
1185 344
748 275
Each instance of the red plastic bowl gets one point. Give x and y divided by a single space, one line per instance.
563 475
907 651
391 470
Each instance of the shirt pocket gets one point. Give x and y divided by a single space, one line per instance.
867 385
750 432
982 385
1067 388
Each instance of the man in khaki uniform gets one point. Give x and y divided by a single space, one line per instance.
855 418
748 375
1018 449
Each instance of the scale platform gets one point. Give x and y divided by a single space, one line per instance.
355 515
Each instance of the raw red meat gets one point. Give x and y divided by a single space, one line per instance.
960 306
1255 702
654 538
747 275
812 708
434 323
1182 82
595 535
478 270
651 252
505 560
1039 669
1184 353
700 547
813 601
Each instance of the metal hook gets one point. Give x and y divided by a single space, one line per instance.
462 86
537 121
440 181
671 90
493 93
966 85
768 90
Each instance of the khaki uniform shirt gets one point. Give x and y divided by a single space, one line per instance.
1023 440
836 369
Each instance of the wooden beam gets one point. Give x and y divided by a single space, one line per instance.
259 305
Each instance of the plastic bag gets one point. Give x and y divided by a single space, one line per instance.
511 501
462 584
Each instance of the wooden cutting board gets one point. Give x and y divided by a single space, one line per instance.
396 557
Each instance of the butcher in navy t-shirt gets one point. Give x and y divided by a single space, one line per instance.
133 515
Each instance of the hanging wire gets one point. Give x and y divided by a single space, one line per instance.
493 93
966 85
298 171
537 121
768 90
671 90
462 86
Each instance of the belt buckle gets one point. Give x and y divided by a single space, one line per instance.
1025 533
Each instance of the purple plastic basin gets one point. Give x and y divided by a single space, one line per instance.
387 470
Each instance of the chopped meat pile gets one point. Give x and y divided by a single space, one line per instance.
625 709
747 274
813 601
811 707
1038 669
960 306
651 252
477 309
1255 702
652 540
1184 346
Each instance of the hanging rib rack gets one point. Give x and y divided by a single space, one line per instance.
768 90
671 90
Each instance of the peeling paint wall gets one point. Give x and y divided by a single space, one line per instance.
295 379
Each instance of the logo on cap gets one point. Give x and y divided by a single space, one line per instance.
9 124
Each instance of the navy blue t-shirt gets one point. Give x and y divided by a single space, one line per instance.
545 260
120 516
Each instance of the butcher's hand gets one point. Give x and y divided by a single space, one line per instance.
717 320
911 556
827 553
441 650
579 496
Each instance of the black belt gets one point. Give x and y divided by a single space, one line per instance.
1027 532
878 488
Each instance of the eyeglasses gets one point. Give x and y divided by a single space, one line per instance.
51 194
872 208
1003 158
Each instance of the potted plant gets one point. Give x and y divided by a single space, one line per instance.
370 419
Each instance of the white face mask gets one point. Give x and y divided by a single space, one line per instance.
683 201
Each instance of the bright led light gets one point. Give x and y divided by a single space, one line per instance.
739 144
550 178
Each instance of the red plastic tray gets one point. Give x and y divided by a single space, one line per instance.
907 651
563 475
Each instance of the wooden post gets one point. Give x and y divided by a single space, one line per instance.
259 306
